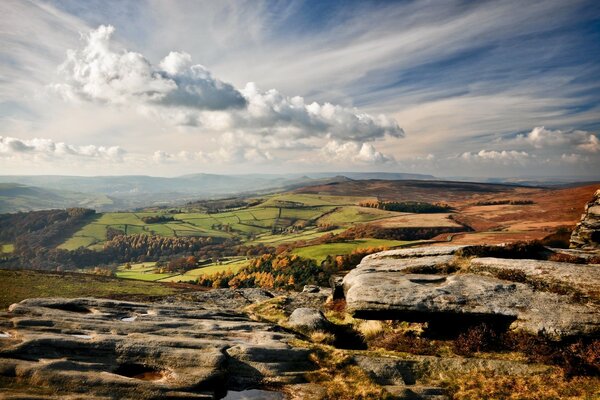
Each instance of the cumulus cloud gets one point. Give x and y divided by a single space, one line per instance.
541 138
98 73
364 153
271 112
182 93
11 147
504 157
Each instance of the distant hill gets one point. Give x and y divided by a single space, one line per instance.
388 176
126 192
408 190
17 197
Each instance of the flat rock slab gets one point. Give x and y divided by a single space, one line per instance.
399 285
114 349
581 278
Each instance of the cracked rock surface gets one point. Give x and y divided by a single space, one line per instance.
94 348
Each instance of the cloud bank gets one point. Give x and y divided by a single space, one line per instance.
47 149
187 94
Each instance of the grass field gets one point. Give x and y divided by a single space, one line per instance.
267 223
7 248
321 251
141 271
234 264
18 285
254 223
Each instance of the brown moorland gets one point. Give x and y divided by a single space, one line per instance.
473 203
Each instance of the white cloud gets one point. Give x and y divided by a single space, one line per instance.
180 93
98 73
364 153
542 138
505 157
574 158
11 147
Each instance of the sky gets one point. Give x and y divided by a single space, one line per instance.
450 88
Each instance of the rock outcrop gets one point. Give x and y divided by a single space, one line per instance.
95 348
432 285
587 232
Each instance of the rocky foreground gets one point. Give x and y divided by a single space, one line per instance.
112 349
559 300
271 345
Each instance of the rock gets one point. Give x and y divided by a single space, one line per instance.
337 286
405 378
404 285
312 299
311 289
228 299
586 234
580 279
97 349
305 391
308 319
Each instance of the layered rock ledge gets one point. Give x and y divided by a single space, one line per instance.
587 232
558 300
95 348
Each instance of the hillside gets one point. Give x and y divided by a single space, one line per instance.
409 190
15 197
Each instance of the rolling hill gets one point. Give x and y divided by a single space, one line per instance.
16 197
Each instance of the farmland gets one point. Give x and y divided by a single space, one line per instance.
320 251
279 219
147 271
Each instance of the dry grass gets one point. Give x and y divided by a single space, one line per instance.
551 386
321 337
370 329
269 310
342 379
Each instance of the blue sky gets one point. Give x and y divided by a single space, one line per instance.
450 88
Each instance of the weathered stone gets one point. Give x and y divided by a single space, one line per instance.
224 299
115 349
567 278
586 234
406 378
407 287
311 289
316 299
308 319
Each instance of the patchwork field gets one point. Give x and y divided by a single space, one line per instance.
321 251
418 221
141 271
233 264
268 222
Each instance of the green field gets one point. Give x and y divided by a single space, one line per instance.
253 224
141 271
279 219
234 264
321 251
7 248
19 285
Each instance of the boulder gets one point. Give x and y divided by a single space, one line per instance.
411 285
586 234
308 319
114 349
